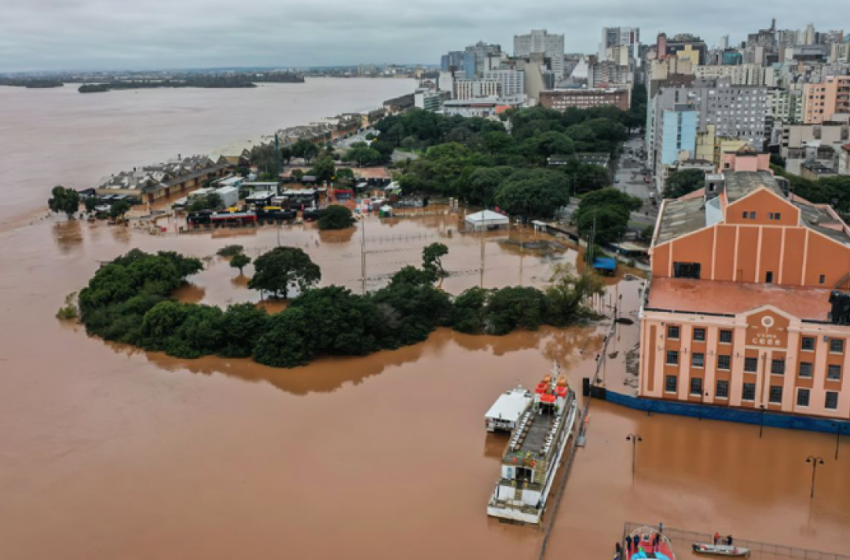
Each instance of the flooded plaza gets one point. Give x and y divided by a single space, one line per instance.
111 452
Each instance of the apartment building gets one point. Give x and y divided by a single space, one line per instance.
562 99
740 310
824 100
511 81
540 41
743 74
472 89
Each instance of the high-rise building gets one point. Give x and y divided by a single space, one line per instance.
459 61
540 41
562 99
682 45
822 101
737 112
512 81
614 37
472 89
427 99
480 53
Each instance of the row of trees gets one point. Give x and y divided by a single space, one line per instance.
128 301
480 161
826 190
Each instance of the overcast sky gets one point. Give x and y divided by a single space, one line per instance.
149 34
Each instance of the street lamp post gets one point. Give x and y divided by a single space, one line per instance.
761 429
634 438
702 396
839 427
815 461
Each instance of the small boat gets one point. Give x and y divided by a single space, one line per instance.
649 542
721 550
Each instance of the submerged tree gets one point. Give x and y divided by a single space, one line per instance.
240 261
568 291
432 259
335 217
64 200
282 269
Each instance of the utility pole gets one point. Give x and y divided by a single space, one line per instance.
363 255
277 159
521 253
481 282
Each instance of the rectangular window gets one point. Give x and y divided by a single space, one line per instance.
831 401
768 277
833 372
775 394
696 386
725 337
836 345
670 383
802 397
687 270
774 215
752 215
749 393
672 357
698 359
673 332
724 362
751 365
808 343
722 389
699 335
777 367
745 215
806 369
822 279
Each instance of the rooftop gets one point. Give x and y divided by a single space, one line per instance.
732 298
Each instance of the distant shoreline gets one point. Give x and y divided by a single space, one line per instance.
206 82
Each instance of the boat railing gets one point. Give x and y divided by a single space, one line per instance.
682 540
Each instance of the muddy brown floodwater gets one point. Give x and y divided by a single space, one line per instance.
110 452
107 452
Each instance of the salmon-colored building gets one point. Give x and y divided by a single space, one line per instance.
737 311
821 102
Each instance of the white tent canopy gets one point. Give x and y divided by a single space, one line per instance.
487 219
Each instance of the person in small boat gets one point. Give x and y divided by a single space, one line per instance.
729 540
716 538
629 544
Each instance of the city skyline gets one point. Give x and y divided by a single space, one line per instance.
46 35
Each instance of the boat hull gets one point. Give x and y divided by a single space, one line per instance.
721 550
524 513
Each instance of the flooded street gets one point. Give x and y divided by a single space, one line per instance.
62 137
108 452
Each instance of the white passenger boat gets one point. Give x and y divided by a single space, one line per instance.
507 410
535 451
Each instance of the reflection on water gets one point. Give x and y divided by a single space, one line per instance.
68 235
337 236
495 444
190 293
121 234
331 373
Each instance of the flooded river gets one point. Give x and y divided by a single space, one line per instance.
107 452
62 137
